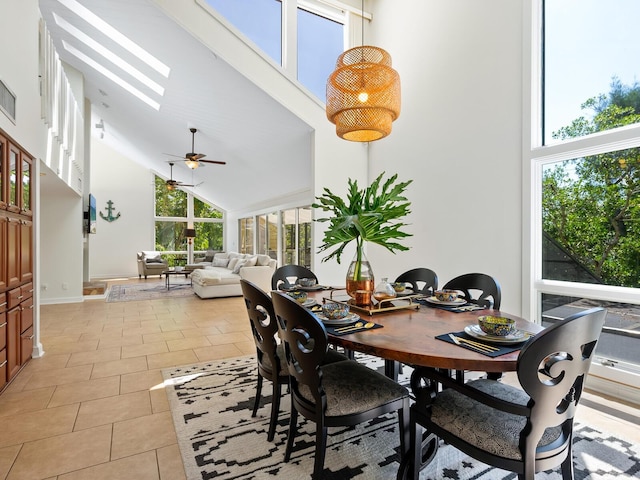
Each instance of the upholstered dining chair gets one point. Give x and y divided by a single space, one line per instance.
525 428
338 394
488 287
422 280
280 278
269 351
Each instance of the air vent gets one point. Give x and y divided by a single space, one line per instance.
7 101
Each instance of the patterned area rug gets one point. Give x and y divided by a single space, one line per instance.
149 291
211 406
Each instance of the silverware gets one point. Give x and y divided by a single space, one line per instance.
481 347
355 325
366 325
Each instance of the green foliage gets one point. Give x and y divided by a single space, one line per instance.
591 205
368 215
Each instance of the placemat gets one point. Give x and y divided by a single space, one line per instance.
467 307
502 349
332 330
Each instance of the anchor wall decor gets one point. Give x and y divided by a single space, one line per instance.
109 209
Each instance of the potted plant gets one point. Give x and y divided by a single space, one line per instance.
373 214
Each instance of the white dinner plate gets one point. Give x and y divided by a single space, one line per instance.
309 302
352 317
456 302
518 336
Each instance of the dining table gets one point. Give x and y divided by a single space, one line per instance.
416 333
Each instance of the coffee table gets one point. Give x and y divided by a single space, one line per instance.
168 273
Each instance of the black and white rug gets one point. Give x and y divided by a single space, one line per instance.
211 406
149 291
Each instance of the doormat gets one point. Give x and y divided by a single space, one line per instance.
155 291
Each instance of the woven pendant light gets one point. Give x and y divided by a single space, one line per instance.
363 94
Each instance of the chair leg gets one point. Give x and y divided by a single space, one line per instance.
567 465
256 402
275 409
321 446
405 426
416 443
293 420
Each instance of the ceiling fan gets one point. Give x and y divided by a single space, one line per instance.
192 159
172 184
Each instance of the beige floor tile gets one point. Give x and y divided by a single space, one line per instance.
135 382
200 332
61 454
95 356
120 341
142 434
56 339
22 402
218 352
228 338
170 463
188 343
113 409
58 376
143 349
139 467
86 390
45 423
47 362
161 337
171 359
141 330
119 367
240 326
159 400
247 348
171 326
84 346
7 457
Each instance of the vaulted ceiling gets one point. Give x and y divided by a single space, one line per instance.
237 122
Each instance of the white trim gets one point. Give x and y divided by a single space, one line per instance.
614 382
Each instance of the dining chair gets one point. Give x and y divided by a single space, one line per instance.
281 277
269 351
488 287
525 428
336 394
422 280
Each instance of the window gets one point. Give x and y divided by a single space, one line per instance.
318 41
585 181
245 229
268 234
174 211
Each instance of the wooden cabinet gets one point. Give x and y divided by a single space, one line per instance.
16 258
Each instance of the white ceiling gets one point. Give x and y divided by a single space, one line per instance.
236 121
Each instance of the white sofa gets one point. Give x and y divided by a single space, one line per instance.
222 277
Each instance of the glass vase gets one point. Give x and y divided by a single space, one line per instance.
360 280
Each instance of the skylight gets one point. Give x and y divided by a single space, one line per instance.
109 55
116 36
110 75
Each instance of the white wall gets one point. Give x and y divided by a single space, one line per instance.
458 137
112 250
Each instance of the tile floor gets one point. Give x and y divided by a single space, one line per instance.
91 406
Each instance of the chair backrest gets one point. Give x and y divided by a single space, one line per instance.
552 368
422 280
287 276
305 345
487 286
264 326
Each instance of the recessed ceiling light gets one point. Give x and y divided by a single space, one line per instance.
109 55
116 36
110 75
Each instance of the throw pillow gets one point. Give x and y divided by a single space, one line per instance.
232 263
263 260
208 257
251 261
220 262
152 257
239 265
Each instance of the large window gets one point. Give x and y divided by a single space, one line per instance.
318 41
268 234
585 182
245 229
174 211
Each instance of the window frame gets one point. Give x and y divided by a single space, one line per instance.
535 155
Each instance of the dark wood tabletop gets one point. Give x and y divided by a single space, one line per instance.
408 336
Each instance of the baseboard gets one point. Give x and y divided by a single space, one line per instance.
600 380
56 301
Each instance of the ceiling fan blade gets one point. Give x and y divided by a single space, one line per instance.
214 161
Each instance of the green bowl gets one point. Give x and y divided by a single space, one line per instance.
496 326
298 296
334 310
